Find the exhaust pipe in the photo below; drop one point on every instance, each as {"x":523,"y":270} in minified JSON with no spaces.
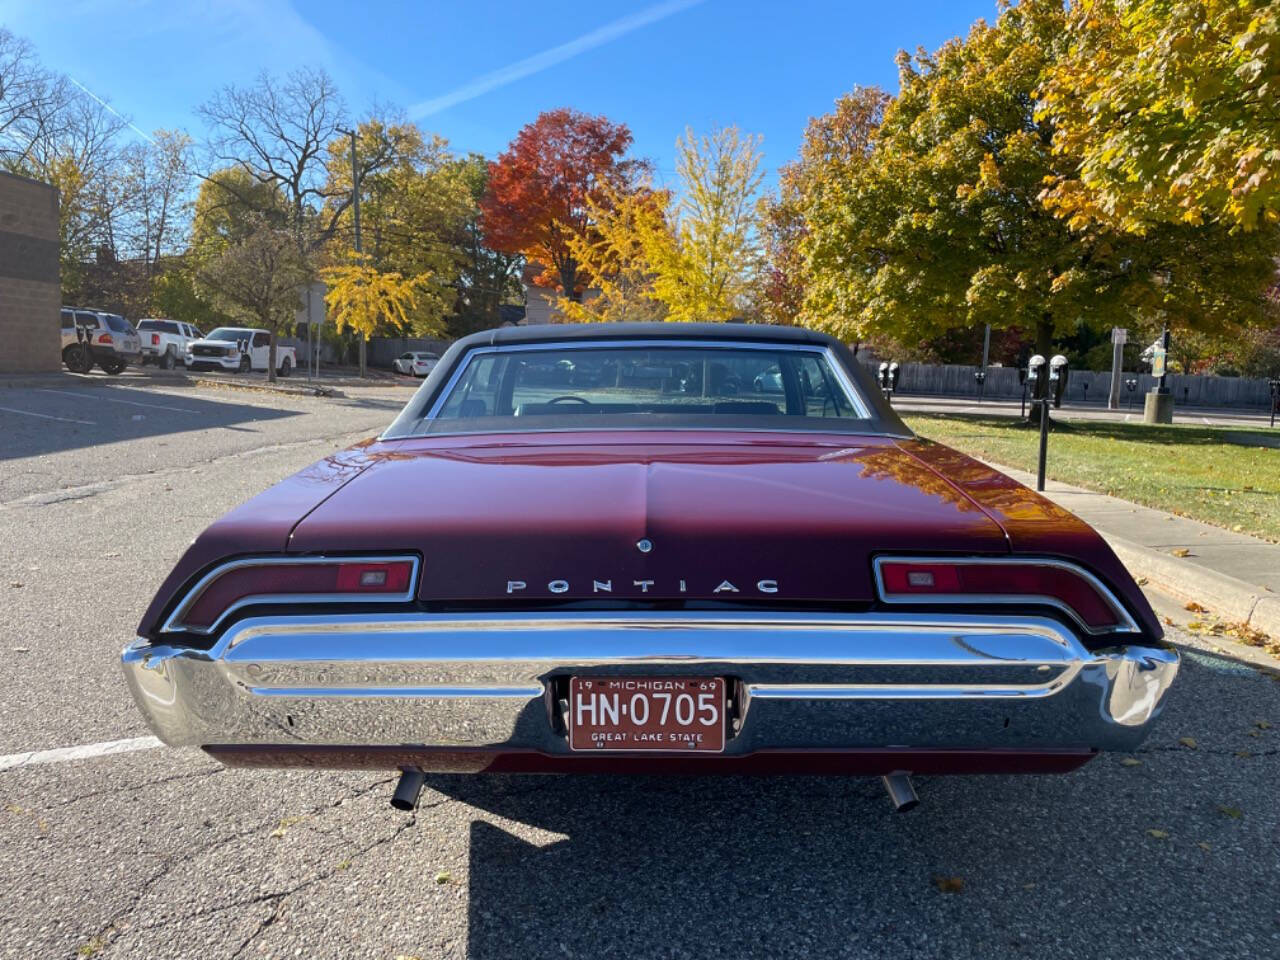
{"x":407,"y":790}
{"x":901,"y":793}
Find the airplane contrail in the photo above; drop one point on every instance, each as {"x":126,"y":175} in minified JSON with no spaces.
{"x":549,"y":58}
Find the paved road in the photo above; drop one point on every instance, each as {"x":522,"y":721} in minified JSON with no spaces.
{"x":162,"y":853}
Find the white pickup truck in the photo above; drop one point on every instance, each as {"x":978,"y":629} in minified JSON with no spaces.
{"x":239,"y":349}
{"x":165,"y":342}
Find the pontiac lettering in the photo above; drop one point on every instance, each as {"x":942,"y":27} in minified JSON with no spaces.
{"x":561,"y":585}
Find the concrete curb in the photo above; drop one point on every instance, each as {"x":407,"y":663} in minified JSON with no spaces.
{"x":313,"y":390}
{"x":1231,"y":598}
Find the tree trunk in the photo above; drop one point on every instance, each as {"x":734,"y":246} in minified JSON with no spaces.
{"x":569,"y":280}
{"x":1044,"y":337}
{"x":271,"y":358}
{"x":364,"y":344}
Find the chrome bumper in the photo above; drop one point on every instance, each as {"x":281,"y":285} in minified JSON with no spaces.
{"x":807,"y":681}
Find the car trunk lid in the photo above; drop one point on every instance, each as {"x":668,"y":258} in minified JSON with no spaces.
{"x":652,"y":519}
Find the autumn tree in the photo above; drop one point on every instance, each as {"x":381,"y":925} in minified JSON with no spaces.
{"x":835,"y":146}
{"x":256,"y":278}
{"x":538,"y":191}
{"x":616,"y":259}
{"x":654,"y":256}
{"x":943,"y":226}
{"x":487,"y":278}
{"x":367,"y":299}
{"x":1170,"y":110}
{"x":276,"y":132}
{"x":413,"y":203}
{"x":708,"y":273}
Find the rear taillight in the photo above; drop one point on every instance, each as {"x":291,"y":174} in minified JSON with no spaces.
{"x":291,"y":581}
{"x":977,"y":582}
{"x":105,"y":338}
{"x":155,"y":339}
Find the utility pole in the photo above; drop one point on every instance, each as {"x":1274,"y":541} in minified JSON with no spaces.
{"x":355,"y":204}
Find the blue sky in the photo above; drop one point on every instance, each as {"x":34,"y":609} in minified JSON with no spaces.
{"x":477,"y":70}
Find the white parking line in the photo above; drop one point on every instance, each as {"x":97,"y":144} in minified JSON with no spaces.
{"x":132,"y":403}
{"x":46,"y":416}
{"x":89,"y":750}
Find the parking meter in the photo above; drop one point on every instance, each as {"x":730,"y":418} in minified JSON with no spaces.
{"x":882,"y":375}
{"x":1274,"y":383}
{"x":981,"y":377}
{"x":887,"y":376}
{"x":894,"y":372}
{"x":1058,"y":372}
{"x":1037,"y":380}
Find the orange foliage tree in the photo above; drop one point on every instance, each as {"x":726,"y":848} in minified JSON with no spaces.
{"x":543,"y":189}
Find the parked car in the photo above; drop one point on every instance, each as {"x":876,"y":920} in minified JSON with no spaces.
{"x":238,"y":349}
{"x":417,"y":363}
{"x":165,"y":342}
{"x":111,"y":341}
{"x":519,"y":576}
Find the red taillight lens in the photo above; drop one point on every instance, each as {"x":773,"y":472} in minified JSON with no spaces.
{"x":105,"y":338}
{"x":903,"y":581}
{"x":155,"y":339}
{"x":322,"y":581}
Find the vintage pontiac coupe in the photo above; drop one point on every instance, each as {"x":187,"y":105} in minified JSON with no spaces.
{"x":651,"y":548}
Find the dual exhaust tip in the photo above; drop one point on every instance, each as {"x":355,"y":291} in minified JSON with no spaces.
{"x":898,"y":785}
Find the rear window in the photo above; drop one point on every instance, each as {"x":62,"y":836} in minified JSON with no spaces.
{"x":68,"y":319}
{"x":161,"y":326}
{"x":117,"y":323}
{"x":761,"y":386}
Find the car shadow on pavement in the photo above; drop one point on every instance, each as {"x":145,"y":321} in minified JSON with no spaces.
{"x":39,"y":421}
{"x":985,"y":866}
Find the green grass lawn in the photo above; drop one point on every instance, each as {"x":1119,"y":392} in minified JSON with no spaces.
{"x":1191,"y":471}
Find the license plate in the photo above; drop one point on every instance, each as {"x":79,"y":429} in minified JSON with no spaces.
{"x":684,"y":714}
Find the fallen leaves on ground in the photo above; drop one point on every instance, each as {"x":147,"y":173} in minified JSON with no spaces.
{"x":1130,"y":762}
{"x":1188,"y":742}
{"x":1204,"y":846}
{"x":443,"y":877}
{"x":1158,"y":834}
{"x":1263,"y":725}
{"x":948,"y":884}
{"x":1237,"y":631}
{"x":1195,"y":607}
{"x":1235,"y":813}
{"x":285,"y":824}
{"x":1181,"y":552}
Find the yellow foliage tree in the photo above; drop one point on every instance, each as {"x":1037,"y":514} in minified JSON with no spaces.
{"x":708,"y":273}
{"x":693,"y":260}
{"x":366,"y":299}
{"x":613,"y":260}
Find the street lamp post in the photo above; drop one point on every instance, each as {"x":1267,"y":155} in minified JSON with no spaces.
{"x":355,"y":213}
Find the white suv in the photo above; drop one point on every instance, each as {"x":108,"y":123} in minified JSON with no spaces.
{"x":111,"y":341}
{"x":164,"y":342}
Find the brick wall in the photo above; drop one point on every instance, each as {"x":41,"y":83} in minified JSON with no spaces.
{"x":30,"y":294}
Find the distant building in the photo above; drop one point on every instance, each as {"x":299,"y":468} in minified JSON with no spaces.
{"x":540,"y":300}
{"x":30,"y":288}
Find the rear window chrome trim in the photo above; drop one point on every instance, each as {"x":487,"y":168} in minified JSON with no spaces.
{"x":1127,"y":623}
{"x":860,"y":408}
{"x":173,"y":623}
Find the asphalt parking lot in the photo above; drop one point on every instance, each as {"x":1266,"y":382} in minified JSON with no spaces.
{"x":163,"y":853}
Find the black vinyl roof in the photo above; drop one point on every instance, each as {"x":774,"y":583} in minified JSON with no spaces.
{"x":554,"y":332}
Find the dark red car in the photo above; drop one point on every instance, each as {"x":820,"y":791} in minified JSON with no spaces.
{"x":601,"y":548}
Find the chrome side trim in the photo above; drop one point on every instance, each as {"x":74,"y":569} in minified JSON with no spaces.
{"x":173,"y":623}
{"x":1127,"y":623}
{"x":861,"y":410}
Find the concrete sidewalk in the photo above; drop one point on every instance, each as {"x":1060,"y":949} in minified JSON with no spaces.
{"x":1234,"y":575}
